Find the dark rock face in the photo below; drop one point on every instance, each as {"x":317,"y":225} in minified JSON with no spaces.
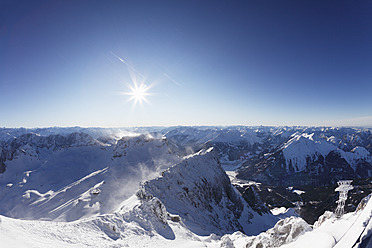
{"x":271,"y":170}
{"x":2,"y":160}
{"x":361,"y":138}
{"x":235,"y":151}
{"x":363,"y":169}
{"x":2,"y":166}
{"x":251,"y":196}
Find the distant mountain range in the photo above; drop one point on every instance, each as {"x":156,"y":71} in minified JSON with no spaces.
{"x":285,"y":156}
{"x":271,"y":155}
{"x":313,"y":159}
{"x":158,"y":180}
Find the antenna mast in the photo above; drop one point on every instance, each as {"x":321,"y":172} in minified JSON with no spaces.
{"x":343,"y":187}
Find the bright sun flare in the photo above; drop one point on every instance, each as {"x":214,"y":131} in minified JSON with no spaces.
{"x":138,"y":89}
{"x":138,"y":93}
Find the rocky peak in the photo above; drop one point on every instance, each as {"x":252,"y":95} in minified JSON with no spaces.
{"x":199,"y":191}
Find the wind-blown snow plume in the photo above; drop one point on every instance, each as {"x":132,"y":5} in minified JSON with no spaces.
{"x":198,"y":190}
{"x":65,"y":178}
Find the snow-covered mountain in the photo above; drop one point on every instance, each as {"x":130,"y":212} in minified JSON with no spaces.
{"x":284,"y":155}
{"x":59,"y":177}
{"x":189,"y":203}
{"x":167,"y":186}
{"x":200,"y":192}
{"x":42,"y":166}
{"x":309,"y":159}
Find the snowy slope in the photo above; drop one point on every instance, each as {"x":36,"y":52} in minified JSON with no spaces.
{"x":351,"y":230}
{"x":146,"y":223}
{"x":138,"y":227}
{"x":302,"y":146}
{"x":345,"y":232}
{"x":161,"y":214}
{"x":135,"y":228}
{"x":65,"y":178}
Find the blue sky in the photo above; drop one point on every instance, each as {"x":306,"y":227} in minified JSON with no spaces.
{"x":208,"y":62}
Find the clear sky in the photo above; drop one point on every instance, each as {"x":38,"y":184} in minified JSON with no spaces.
{"x":74,"y":63}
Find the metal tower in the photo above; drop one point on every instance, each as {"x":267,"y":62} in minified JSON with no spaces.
{"x":343,"y":187}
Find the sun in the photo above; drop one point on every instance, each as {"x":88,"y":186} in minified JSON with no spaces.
{"x":138,"y":93}
{"x":138,"y":89}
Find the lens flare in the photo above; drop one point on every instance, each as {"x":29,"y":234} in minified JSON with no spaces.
{"x":138,"y":93}
{"x":138,"y":89}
